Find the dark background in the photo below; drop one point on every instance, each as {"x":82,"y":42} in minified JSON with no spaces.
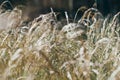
{"x":32,"y":8}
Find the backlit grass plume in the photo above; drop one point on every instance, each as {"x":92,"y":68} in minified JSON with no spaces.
{"x":40,"y":50}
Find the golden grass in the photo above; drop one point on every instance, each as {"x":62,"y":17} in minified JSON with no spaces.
{"x":45,"y":53}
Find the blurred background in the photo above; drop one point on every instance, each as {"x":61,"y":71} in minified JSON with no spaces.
{"x":33,"y":8}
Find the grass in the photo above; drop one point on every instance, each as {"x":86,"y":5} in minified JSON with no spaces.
{"x":42,"y":52}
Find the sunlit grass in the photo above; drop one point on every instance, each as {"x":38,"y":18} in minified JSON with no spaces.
{"x":45,"y":53}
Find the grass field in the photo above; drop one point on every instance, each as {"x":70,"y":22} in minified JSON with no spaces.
{"x":41,"y":50}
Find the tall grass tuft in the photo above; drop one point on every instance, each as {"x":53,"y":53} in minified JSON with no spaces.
{"x":43,"y":52}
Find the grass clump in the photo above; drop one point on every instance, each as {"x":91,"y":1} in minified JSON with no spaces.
{"x":41,"y":51}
